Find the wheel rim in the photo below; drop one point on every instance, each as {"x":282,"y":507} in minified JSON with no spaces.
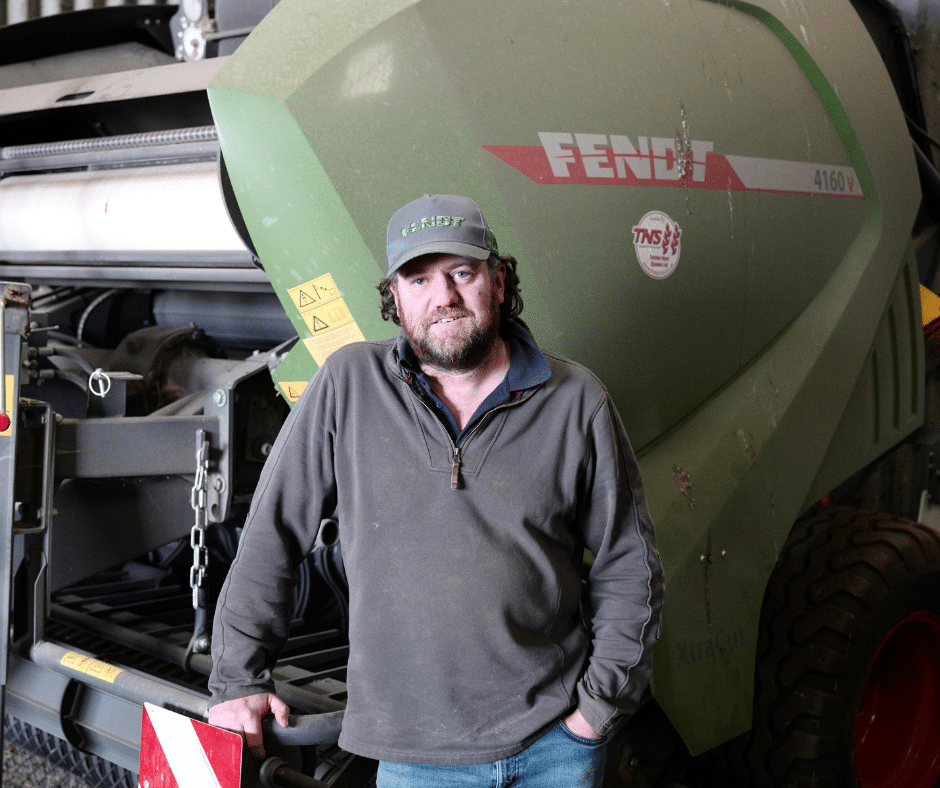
{"x":898,"y":725}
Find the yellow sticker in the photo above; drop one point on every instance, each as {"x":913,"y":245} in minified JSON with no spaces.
{"x":6,"y":423}
{"x":321,"y":347}
{"x":293,"y":389}
{"x":327,"y":317}
{"x":929,"y":305}
{"x":314,"y":293}
{"x":93,"y":667}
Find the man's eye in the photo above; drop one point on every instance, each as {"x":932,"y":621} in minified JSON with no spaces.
{"x":461,"y":274}
{"x":418,"y":281}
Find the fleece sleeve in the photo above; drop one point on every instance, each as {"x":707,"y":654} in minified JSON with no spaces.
{"x":625,"y":583}
{"x":295,"y":493}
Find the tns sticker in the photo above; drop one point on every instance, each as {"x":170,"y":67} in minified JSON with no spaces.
{"x":657,"y":240}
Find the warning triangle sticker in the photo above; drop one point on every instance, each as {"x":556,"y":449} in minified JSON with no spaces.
{"x":304,"y":300}
{"x":318,"y":325}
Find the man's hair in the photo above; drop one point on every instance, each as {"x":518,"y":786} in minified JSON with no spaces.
{"x":512,"y":301}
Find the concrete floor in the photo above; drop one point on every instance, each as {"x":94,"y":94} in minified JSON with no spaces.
{"x":22,"y":769}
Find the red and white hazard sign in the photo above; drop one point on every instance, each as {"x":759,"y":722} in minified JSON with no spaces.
{"x":178,"y":752}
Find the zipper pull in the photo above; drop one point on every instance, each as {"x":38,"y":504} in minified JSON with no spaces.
{"x":455,"y":471}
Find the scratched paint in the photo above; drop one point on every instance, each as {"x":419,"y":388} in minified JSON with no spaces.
{"x":768,"y":403}
{"x":683,"y":150}
{"x":750,"y":451}
{"x":731,"y":209}
{"x":707,"y":562}
{"x":684,"y":480}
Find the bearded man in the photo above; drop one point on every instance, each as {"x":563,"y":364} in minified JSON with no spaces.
{"x":467,"y":470}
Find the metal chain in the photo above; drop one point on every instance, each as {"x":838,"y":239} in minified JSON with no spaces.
{"x":199,"y":502}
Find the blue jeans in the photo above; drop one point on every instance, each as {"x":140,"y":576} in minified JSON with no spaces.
{"x":559,"y":759}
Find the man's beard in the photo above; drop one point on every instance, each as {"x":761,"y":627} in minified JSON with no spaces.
{"x":454,"y":353}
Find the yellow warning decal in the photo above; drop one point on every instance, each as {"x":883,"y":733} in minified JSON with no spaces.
{"x":6,"y":423}
{"x":93,"y":667}
{"x":314,"y":293}
{"x":929,"y":305}
{"x":321,"y":347}
{"x":326,"y":315}
{"x":292,"y":390}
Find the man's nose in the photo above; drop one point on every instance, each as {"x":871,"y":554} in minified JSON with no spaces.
{"x":445,"y":292}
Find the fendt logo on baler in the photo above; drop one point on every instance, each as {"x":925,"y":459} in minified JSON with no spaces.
{"x":577,"y":158}
{"x":615,"y":157}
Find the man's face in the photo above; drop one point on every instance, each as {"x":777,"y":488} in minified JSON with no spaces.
{"x":449,"y":309}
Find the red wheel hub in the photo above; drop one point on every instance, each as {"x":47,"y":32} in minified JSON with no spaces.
{"x":897,"y":735}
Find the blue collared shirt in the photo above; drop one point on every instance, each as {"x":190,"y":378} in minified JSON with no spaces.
{"x":527,"y":368}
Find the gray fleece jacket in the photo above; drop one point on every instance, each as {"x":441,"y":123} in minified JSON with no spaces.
{"x":469,"y":635}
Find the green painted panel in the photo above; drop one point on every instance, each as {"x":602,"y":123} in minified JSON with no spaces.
{"x":393,"y":109}
{"x":733,"y":372}
{"x":296,"y":219}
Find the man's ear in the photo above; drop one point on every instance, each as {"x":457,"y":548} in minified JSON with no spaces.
{"x":499,"y":277}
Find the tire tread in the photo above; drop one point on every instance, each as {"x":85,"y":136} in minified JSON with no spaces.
{"x":839,"y":571}
{"x":90,"y":768}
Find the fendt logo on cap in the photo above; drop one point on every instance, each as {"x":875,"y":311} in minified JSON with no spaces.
{"x":434,"y":221}
{"x":656,"y":240}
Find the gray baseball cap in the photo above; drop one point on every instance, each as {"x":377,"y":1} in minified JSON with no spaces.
{"x":438,"y":223}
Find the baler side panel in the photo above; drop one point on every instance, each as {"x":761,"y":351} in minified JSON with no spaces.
{"x":741,"y":466}
{"x":790,"y":184}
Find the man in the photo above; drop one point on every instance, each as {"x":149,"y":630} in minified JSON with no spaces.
{"x":467,"y":470}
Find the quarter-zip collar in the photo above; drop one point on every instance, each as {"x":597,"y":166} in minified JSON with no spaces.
{"x":528,"y":369}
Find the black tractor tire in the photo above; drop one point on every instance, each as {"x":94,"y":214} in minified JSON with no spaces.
{"x":847,"y":691}
{"x":89,"y":768}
